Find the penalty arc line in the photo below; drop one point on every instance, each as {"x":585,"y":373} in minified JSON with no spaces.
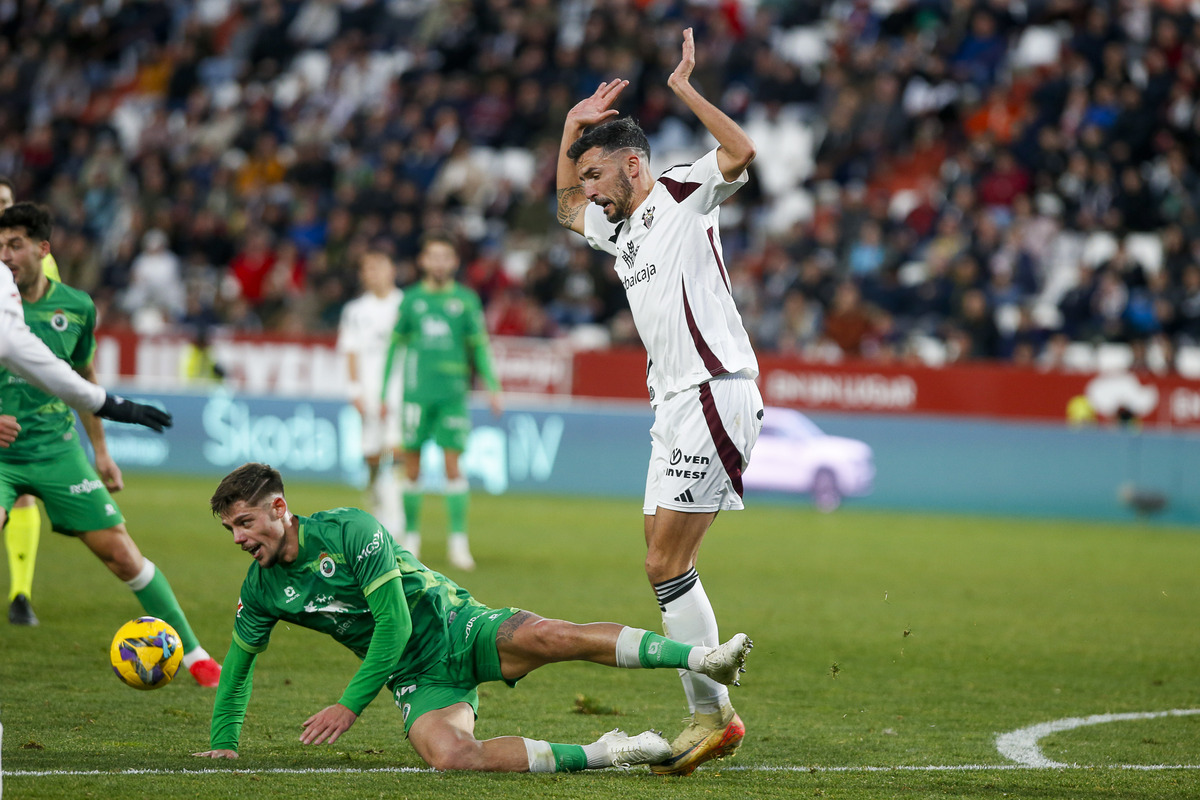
{"x":1022,"y":745}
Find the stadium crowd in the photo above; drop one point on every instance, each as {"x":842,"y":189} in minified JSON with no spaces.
{"x":936,"y":179}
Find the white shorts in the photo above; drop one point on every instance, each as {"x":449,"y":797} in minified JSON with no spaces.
{"x":380,"y":433}
{"x":700,"y":443}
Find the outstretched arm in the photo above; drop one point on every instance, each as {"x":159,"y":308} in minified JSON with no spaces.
{"x":737,"y":149}
{"x":586,"y":113}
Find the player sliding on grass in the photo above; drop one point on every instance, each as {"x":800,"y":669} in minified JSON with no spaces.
{"x":419,"y":634}
{"x":701,"y":368}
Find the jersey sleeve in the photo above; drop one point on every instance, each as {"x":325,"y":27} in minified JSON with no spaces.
{"x":252,"y":625}
{"x":477,"y":341}
{"x":375,"y":567}
{"x":599,"y":232}
{"x":700,"y":187}
{"x":25,"y":354}
{"x":393,"y":627}
{"x":371,"y":549}
{"x":233,"y":695}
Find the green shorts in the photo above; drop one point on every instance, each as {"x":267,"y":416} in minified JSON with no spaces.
{"x":474,"y":659}
{"x":75,"y":498}
{"x":444,"y":421}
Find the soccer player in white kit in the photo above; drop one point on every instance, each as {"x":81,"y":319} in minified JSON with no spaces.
{"x":364,"y":335}
{"x":701,"y":368}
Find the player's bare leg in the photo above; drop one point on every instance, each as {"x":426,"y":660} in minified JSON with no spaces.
{"x":116,"y":548}
{"x":714,"y":729}
{"x":445,"y":739}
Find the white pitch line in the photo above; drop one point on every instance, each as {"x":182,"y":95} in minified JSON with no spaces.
{"x":52,"y":773}
{"x":1022,"y":745}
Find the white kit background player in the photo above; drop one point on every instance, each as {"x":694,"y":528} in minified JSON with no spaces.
{"x":364,"y":335}
{"x":701,"y":370}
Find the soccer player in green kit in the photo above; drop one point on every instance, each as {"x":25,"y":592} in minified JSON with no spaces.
{"x":47,"y":460}
{"x":418,"y":633}
{"x":441,"y":327}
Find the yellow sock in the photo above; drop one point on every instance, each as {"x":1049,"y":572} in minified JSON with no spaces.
{"x":21,"y":537}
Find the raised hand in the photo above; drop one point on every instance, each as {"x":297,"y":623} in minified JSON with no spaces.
{"x":686,"y":64}
{"x":597,"y":108}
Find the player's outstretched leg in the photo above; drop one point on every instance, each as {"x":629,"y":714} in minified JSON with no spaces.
{"x":710,"y":736}
{"x":116,"y":549}
{"x":158,"y":599}
{"x":725,"y":663}
{"x":445,"y":739}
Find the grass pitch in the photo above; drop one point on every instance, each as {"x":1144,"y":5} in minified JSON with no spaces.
{"x":890,"y":652}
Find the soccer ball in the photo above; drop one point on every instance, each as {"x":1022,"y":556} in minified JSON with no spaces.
{"x":145,"y":653}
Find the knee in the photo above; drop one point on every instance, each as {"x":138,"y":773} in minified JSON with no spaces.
{"x":123,"y":559}
{"x":550,"y":638}
{"x":659,"y":567}
{"x":457,"y":755}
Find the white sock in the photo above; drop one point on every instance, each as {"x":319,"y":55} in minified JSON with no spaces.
{"x":598,"y":756}
{"x":689,"y":618}
{"x":629,"y":647}
{"x":143,"y":578}
{"x":192,"y":656}
{"x":541,"y":757}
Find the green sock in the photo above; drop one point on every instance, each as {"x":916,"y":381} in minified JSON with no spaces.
{"x":456,"y":510}
{"x":412,"y":510}
{"x":659,"y":651}
{"x":159,"y":601}
{"x":568,"y":757}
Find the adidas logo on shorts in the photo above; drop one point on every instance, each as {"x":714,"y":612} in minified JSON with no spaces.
{"x":686,"y":497}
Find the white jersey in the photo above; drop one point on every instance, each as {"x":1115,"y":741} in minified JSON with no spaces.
{"x":366,"y":330}
{"x":669,"y":258}
{"x":28,"y":356}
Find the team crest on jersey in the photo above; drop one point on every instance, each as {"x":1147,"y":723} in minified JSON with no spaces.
{"x":58,"y":320}
{"x":648,"y":217}
{"x":326,"y":565}
{"x":454,"y":307}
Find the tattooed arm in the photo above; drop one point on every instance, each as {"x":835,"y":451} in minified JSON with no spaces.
{"x":586,"y":113}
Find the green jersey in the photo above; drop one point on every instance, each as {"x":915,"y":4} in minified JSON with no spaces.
{"x":65,"y":319}
{"x":345,"y":564}
{"x":445,"y":337}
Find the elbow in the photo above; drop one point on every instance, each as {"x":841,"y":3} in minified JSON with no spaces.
{"x":748,"y":154}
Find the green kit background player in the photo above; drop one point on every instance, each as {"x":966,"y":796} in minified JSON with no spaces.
{"x":441,"y":327}
{"x":418,"y":633}
{"x":24,"y":527}
{"x":47,"y":459}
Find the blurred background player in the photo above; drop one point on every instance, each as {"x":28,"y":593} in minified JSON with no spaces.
{"x":441,"y":325}
{"x":47,"y":457}
{"x":24,"y":528}
{"x":701,"y":369}
{"x":364,"y":333}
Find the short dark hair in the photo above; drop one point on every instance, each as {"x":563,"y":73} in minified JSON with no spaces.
{"x":35,"y":219}
{"x":253,"y":483}
{"x":616,"y":134}
{"x":436,"y":237}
